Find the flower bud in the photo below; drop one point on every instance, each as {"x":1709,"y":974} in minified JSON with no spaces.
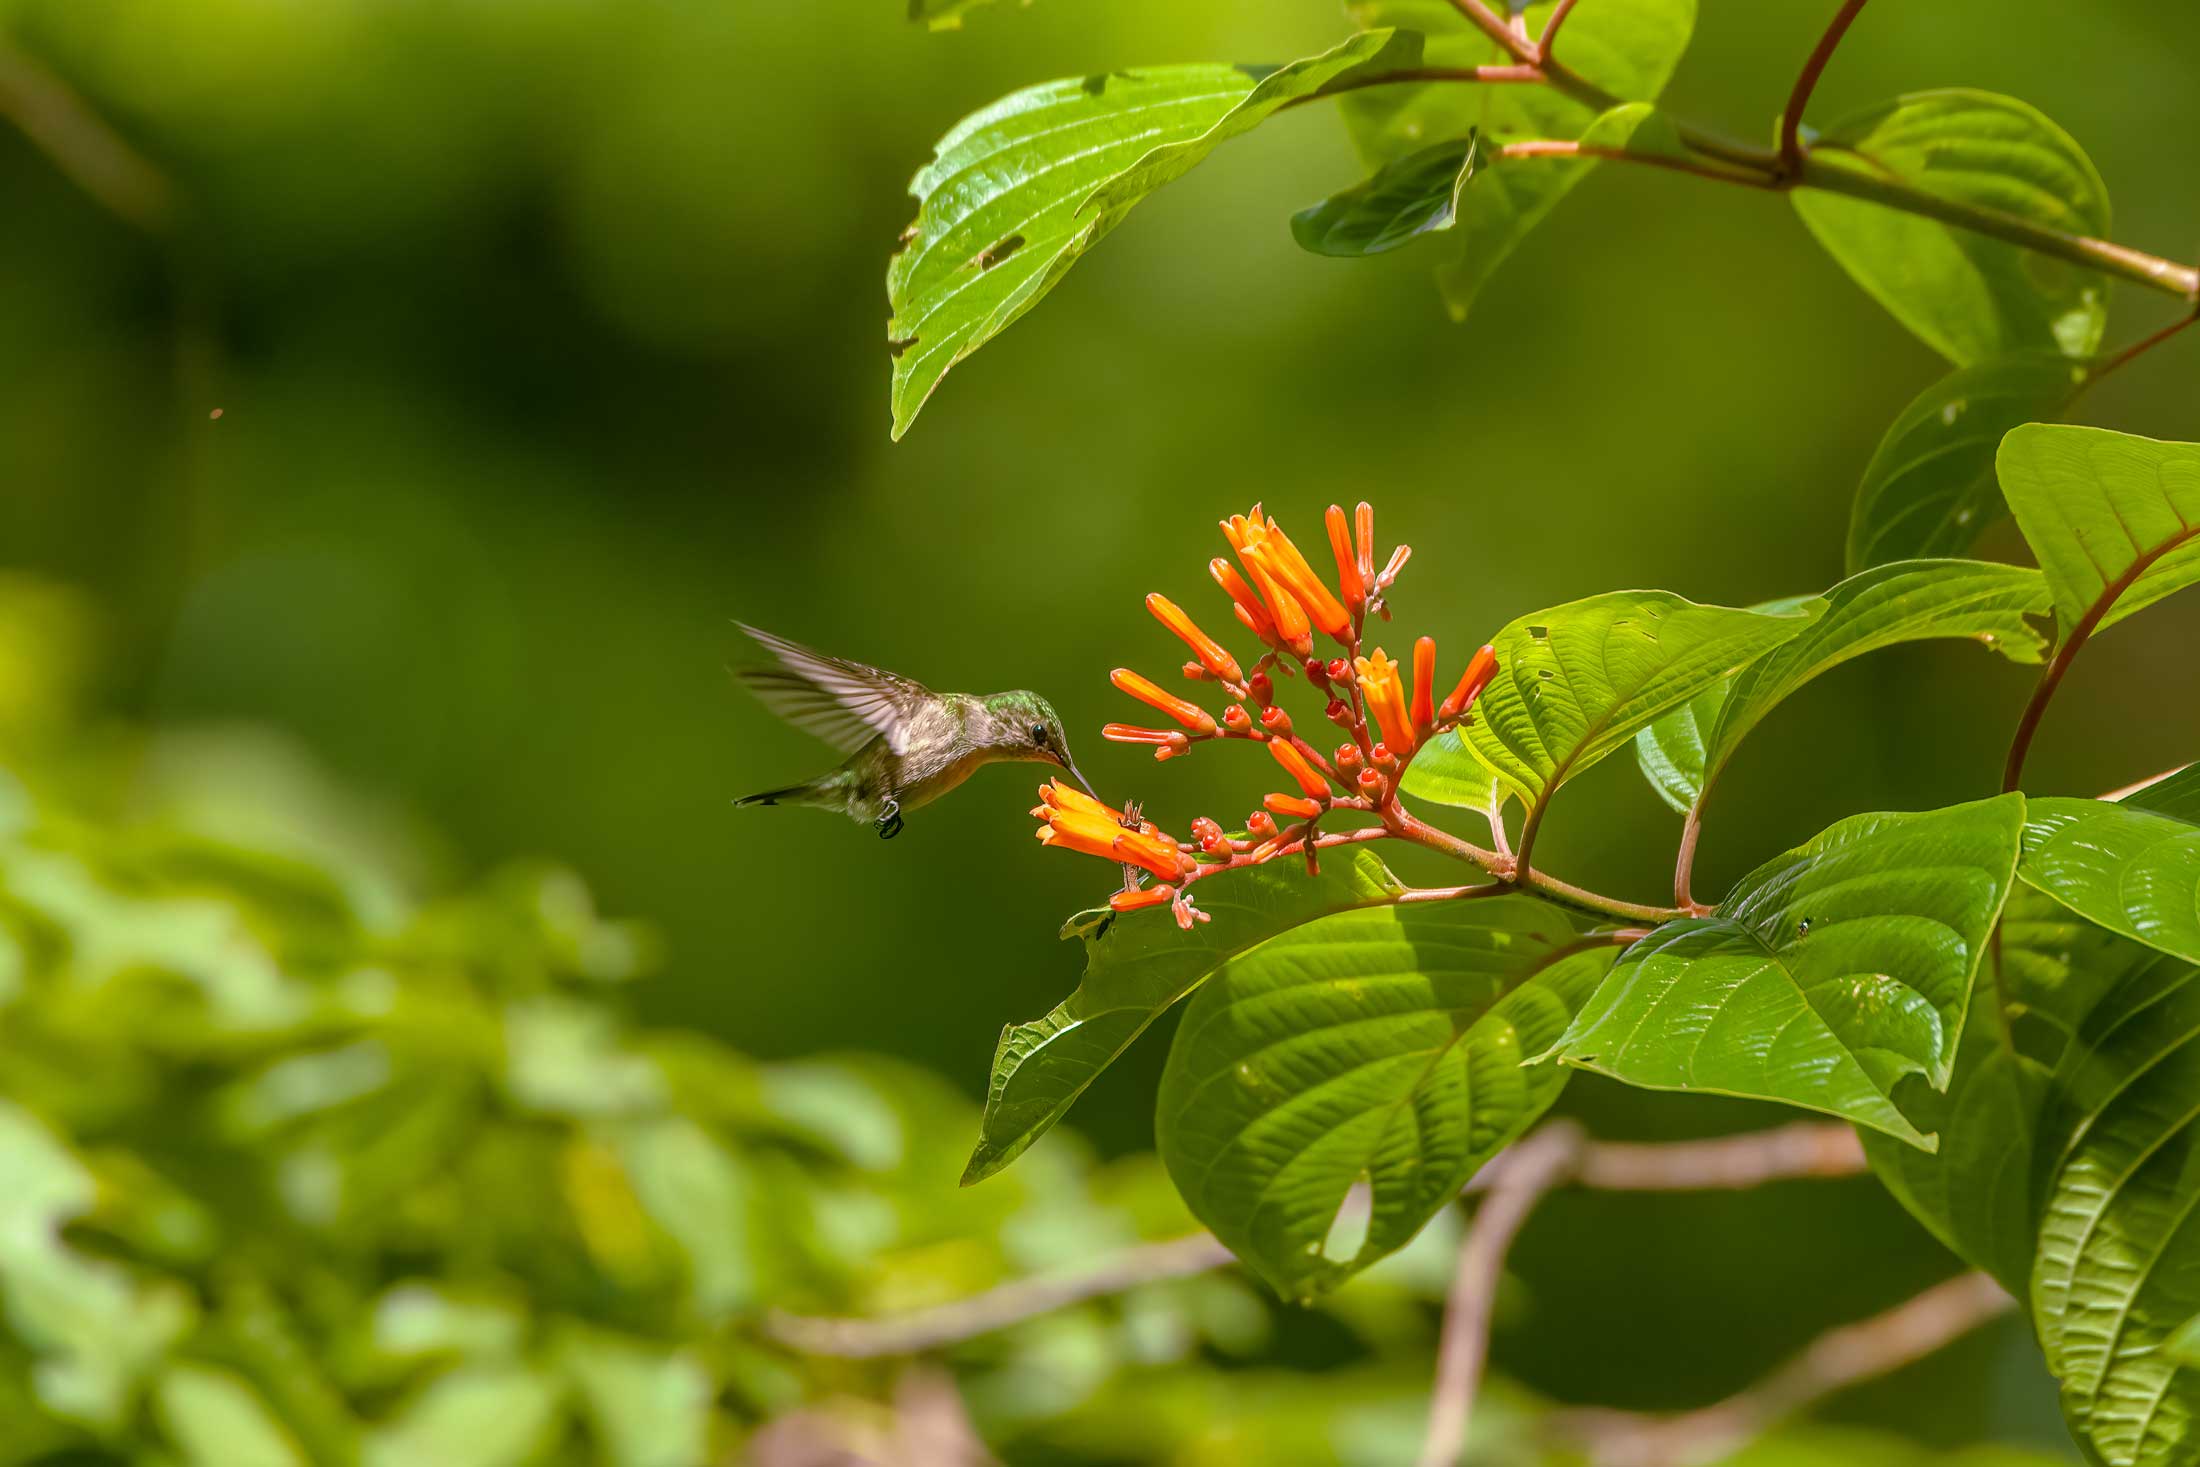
{"x":1152,"y":896}
{"x":1296,"y":805}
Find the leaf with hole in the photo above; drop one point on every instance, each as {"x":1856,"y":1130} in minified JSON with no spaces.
{"x":2113,"y":519}
{"x":2133,"y":871}
{"x":1965,"y":294}
{"x":1575,"y":682}
{"x":1828,"y":974}
{"x":1378,"y":1050}
{"x":1929,"y":488}
{"x":1138,"y":965}
{"x":1017,"y":193}
{"x":1908,"y":601}
{"x":1627,"y":47}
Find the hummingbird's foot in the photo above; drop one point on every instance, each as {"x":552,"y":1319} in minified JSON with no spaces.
{"x":889,"y":820}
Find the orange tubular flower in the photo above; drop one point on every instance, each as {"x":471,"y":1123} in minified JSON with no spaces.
{"x":1131,"y":733}
{"x":1249,"y":608}
{"x":1247,"y":535}
{"x":1295,"y":764}
{"x":1055,"y":795}
{"x":1364,"y":521}
{"x":1102,"y":834}
{"x":1386,"y":699}
{"x":1212,"y":655}
{"x":1292,"y":805}
{"x":1424,"y":686}
{"x":1268,"y":552}
{"x":1152,"y":896}
{"x":1480,"y":669}
{"x":1348,"y":562}
{"x":1191,"y":715}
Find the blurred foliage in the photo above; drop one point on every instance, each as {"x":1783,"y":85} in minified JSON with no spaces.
{"x":547,"y":339}
{"x":298,"y":1166}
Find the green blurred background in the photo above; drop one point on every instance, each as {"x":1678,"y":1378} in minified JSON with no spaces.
{"x":547,"y":338}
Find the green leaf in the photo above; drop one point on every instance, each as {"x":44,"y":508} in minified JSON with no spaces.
{"x":1135,"y":967}
{"x":1929,"y":489}
{"x":1017,"y":193}
{"x":1829,"y":973}
{"x":647,"y":1406}
{"x":2113,"y":519}
{"x":1416,"y":195}
{"x":475,"y":1416}
{"x":1383,"y":1047}
{"x":1980,"y":1192}
{"x":1966,"y":295}
{"x":1907,"y":601}
{"x":95,"y":1330}
{"x":1575,"y":682}
{"x":2117,"y":1276}
{"x":2178,"y":796}
{"x":698,"y":1194}
{"x":1628,"y":47}
{"x":2132,"y":871}
{"x":216,"y":1420}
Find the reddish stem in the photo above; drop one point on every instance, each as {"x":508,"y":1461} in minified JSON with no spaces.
{"x":1806,"y":82}
{"x":1550,"y":31}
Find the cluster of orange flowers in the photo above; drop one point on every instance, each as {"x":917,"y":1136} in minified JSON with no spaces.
{"x":1283,"y":602}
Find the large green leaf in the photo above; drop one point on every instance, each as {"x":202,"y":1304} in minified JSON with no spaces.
{"x":2117,"y":1276}
{"x":1416,"y":195}
{"x":1967,"y":295}
{"x":1980,"y":1192}
{"x":1017,"y":193}
{"x":2177,"y":796}
{"x":2132,"y":871}
{"x":1628,"y":47}
{"x":1829,"y":974}
{"x":1575,"y":682}
{"x":1382,"y":1047}
{"x":1929,"y":489}
{"x":2113,"y":519}
{"x":1135,"y":967}
{"x":2066,"y":1169}
{"x":1908,"y":601}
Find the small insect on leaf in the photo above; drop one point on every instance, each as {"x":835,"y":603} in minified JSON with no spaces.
{"x":896,"y":345}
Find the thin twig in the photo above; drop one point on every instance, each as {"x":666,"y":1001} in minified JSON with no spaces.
{"x":931,"y":1329}
{"x":1835,"y":1360}
{"x":1566,"y":148}
{"x":2051,"y":676}
{"x":1684,"y":861}
{"x":1549,"y":38}
{"x":1806,"y":82}
{"x":2138,"y":348}
{"x":1485,"y":20}
{"x":1519,"y":1178}
{"x":1801,"y":1150}
{"x":81,"y":144}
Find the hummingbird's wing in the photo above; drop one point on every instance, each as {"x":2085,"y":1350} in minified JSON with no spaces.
{"x":844,"y":703}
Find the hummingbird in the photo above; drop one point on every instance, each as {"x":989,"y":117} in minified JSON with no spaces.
{"x":906,"y":744}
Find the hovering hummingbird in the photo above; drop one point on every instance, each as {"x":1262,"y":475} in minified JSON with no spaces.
{"x":906,"y":744}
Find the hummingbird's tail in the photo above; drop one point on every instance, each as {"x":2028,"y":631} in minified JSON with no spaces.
{"x":831,"y":791}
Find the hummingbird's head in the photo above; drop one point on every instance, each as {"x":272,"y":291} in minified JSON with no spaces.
{"x":1027,"y":727}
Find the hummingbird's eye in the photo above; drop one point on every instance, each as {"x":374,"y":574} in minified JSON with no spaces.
{"x":1039,"y":734}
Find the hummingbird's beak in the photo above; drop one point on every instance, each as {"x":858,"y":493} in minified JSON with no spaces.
{"x":1078,"y":775}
